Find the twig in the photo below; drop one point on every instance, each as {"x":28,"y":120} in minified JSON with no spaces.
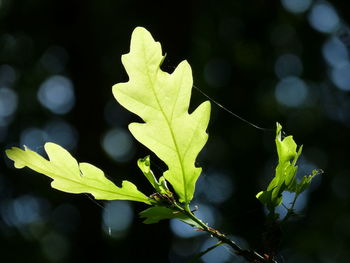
{"x":249,"y":255}
{"x":199,"y":255}
{"x":290,"y":210}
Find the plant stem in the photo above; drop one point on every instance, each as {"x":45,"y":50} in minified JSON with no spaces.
{"x":290,"y":210}
{"x":249,"y":255}
{"x":199,"y":255}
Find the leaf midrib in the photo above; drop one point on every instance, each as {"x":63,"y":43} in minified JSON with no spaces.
{"x":71,"y":180}
{"x":167,"y":121}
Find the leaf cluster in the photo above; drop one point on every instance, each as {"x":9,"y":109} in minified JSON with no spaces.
{"x":285,"y":178}
{"x":174,"y":135}
{"x":161,"y":100}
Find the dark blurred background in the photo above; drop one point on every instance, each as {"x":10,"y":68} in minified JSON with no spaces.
{"x":267,"y":61}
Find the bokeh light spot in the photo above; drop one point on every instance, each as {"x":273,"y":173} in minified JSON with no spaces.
{"x":296,"y":6}
{"x":335,"y":52}
{"x":216,"y":187}
{"x":8,"y":105}
{"x":118,"y":144}
{"x":291,"y":92}
{"x":288,"y":198}
{"x":218,"y":255}
{"x":57,"y":94}
{"x":341,"y":77}
{"x":33,"y":138}
{"x":22,"y":211}
{"x":288,"y":65}
{"x":182,"y":230}
{"x":62,"y":133}
{"x":117,"y":218}
{"x":324,"y":18}
{"x":7,"y":75}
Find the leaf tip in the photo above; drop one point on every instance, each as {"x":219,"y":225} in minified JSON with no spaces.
{"x":139,"y":29}
{"x":207,"y":105}
{"x":141,"y":34}
{"x":278,"y":130}
{"x":51,"y":145}
{"x":144,"y":163}
{"x":12,"y":154}
{"x":259,"y":194}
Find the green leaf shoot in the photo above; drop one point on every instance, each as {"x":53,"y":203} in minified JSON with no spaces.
{"x":299,"y":187}
{"x":72,"y":177}
{"x":162,"y":100}
{"x":145,"y":166}
{"x":284,"y":179}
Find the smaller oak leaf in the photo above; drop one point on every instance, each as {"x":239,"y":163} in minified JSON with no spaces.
{"x":72,"y":177}
{"x":156,"y":213}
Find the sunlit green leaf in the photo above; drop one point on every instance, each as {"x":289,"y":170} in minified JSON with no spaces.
{"x":301,"y":186}
{"x":285,"y":171}
{"x":155,"y":214}
{"x":71,"y":177}
{"x":145,"y":166}
{"x":162,"y":100}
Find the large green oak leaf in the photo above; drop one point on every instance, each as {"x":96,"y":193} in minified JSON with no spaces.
{"x":162,"y":100}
